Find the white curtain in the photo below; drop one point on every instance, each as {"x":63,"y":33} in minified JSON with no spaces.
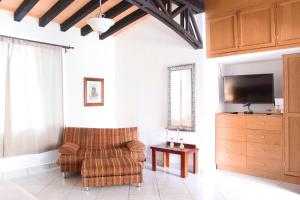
{"x":4,"y":46}
{"x":33,"y":108}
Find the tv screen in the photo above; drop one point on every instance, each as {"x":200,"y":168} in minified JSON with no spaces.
{"x":253,"y":89}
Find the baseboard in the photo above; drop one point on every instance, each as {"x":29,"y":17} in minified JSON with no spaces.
{"x":6,"y":175}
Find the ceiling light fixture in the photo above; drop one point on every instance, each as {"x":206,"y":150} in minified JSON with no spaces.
{"x":100,"y":24}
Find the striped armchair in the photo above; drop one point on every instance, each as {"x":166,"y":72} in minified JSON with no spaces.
{"x":94,"y":143}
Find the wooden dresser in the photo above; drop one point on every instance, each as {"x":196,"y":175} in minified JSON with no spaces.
{"x":250,"y":143}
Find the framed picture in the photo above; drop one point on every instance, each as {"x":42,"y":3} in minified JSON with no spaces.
{"x":93,"y":91}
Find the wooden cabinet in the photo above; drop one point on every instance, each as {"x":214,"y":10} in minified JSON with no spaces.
{"x":267,"y":26}
{"x":292,"y":114}
{"x":230,"y":140}
{"x":292,"y":83}
{"x":250,"y":143}
{"x":222,"y":33}
{"x":288,"y":22}
{"x":256,"y":27}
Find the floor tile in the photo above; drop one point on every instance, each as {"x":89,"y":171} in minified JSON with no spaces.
{"x":143,"y":196}
{"x":159,"y":185}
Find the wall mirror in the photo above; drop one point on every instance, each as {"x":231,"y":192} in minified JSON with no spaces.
{"x":181,"y":97}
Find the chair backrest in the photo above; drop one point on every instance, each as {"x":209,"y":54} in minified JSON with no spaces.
{"x":98,"y":138}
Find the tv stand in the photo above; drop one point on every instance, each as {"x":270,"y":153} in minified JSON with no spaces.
{"x":249,"y":112}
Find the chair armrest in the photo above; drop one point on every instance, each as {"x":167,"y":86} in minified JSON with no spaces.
{"x":69,"y":148}
{"x":135,"y":145}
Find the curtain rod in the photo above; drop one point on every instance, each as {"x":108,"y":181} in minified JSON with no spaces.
{"x":27,"y":40}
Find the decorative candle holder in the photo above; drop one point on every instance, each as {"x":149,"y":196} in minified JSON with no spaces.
{"x":181,"y":146}
{"x":172,"y":143}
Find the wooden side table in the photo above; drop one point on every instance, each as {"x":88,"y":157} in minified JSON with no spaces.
{"x":184,"y":154}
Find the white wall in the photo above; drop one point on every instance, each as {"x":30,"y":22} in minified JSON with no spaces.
{"x":90,"y":58}
{"x":144,"y":53}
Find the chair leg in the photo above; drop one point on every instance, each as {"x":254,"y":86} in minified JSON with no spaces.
{"x":86,"y":189}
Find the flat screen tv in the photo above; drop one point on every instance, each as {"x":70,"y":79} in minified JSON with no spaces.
{"x":252,"y":89}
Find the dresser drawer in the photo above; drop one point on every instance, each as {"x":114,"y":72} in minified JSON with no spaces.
{"x":230,"y":121}
{"x":233,"y":160}
{"x":264,"y":137}
{"x":267,"y":165}
{"x":264,"y":122}
{"x":264,"y":151}
{"x":235,"y":134}
{"x":231,"y":147}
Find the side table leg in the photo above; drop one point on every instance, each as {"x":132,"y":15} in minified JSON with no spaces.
{"x":195,"y":162}
{"x":166,"y":159}
{"x":153,"y":160}
{"x":184,"y":165}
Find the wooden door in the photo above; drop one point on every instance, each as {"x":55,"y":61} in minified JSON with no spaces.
{"x":222,"y":33}
{"x":257,"y":27}
{"x":288,"y":22}
{"x":292,"y":114}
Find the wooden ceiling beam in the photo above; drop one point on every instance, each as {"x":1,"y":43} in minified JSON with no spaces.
{"x":111,"y":13}
{"x":23,"y":9}
{"x":129,"y":19}
{"x":80,"y":14}
{"x":183,"y":28}
{"x":196,"y":5}
{"x":54,"y":11}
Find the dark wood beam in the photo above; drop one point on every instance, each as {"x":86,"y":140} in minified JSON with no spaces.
{"x":196,"y":5}
{"x":123,"y":23}
{"x":23,"y":9}
{"x":80,"y":14}
{"x":54,"y":11}
{"x":178,"y":10}
{"x":182,"y":28}
{"x":111,"y":13}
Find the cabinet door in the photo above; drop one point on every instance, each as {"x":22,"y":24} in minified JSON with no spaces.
{"x":292,"y":114}
{"x":222,"y":34}
{"x":292,"y":83}
{"x":288,"y":22}
{"x":257,"y":27}
{"x":292,"y":144}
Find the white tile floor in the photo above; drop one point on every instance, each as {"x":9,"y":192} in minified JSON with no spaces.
{"x":214,"y":185}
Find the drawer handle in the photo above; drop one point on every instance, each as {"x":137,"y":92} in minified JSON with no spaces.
{"x":262,"y":164}
{"x":263,"y":137}
{"x":263,"y":150}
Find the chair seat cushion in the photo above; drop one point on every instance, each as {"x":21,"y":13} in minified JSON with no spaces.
{"x":110,"y":167}
{"x":83,"y":154}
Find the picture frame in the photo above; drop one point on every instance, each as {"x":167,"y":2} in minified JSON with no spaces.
{"x":93,"y":91}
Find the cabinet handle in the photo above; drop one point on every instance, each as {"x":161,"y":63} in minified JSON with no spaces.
{"x":262,"y":164}
{"x":263,"y":150}
{"x":263,"y":137}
